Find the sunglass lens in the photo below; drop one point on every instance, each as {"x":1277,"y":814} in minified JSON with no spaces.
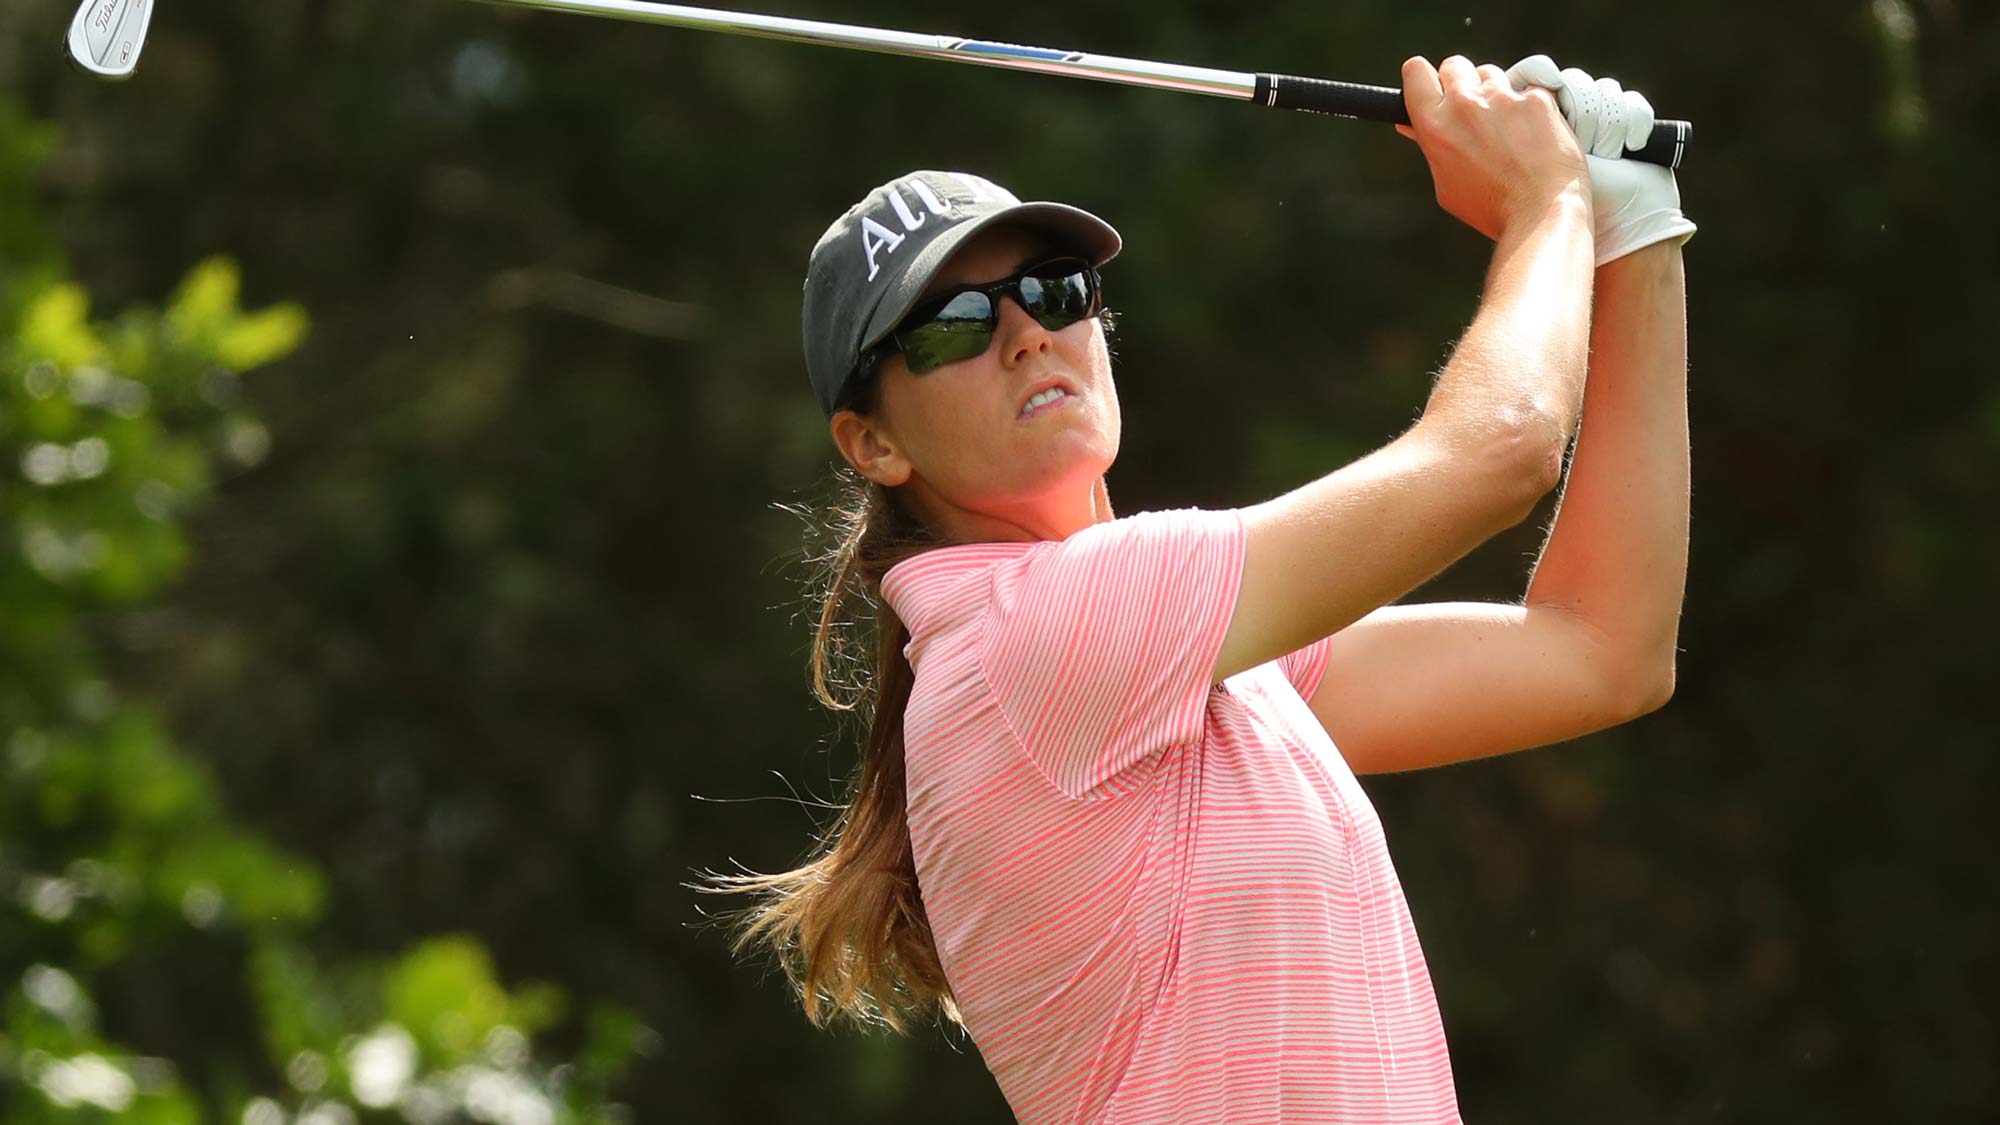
{"x":1060,"y":297}
{"x":1057,"y":294}
{"x":959,"y":330}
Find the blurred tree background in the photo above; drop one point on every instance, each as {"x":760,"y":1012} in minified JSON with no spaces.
{"x":395,"y":609}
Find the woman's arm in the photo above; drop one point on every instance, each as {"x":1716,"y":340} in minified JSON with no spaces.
{"x":1489,"y":444}
{"x":1617,"y":557}
{"x":1593,"y":645}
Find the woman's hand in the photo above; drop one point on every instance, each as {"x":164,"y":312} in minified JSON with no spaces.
{"x":1497,"y":154}
{"x":1634,"y":204}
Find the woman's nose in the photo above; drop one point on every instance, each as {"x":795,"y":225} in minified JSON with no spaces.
{"x":1020,"y":335}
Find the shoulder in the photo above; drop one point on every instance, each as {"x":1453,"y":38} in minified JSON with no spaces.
{"x":1116,"y":551}
{"x":1115,"y":559}
{"x":1133,"y":581}
{"x":927,"y":588}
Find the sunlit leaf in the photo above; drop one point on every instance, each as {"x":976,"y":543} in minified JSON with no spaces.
{"x":446,"y":993}
{"x":261,"y":337}
{"x":55,"y":327}
{"x":205,"y":300}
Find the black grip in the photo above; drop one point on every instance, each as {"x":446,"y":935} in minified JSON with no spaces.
{"x":1385,"y":104}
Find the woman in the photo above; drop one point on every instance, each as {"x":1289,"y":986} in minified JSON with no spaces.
{"x":1106,"y":816}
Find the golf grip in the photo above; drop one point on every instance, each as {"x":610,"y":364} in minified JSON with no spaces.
{"x":1382,"y":103}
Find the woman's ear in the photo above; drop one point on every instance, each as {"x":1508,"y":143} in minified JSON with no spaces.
{"x":869,"y":448}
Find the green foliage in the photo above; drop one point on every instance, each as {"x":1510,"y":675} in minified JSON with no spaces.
{"x":204,"y":315}
{"x":114,"y":841}
{"x":62,"y":1071}
{"x":430,"y":1036}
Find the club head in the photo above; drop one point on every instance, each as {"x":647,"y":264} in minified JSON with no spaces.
{"x":106,"y":36}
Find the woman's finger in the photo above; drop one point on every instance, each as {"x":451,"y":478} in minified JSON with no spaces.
{"x":1638,"y":120}
{"x":1535,"y":70}
{"x":1422,"y":92}
{"x":1457,"y":73}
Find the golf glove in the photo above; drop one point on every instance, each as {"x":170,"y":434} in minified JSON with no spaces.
{"x":1636,"y":203}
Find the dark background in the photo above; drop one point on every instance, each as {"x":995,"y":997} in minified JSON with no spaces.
{"x":504,"y":635}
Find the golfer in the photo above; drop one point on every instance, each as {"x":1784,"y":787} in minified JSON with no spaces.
{"x":1106,"y":815}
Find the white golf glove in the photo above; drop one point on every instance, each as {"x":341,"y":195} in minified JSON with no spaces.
{"x":1636,"y":203}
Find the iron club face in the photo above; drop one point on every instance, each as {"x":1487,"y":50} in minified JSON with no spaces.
{"x":106,"y":36}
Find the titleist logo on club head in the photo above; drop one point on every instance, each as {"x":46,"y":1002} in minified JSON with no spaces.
{"x":913,"y":210}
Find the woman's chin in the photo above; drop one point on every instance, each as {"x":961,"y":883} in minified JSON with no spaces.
{"x":1073,"y":449}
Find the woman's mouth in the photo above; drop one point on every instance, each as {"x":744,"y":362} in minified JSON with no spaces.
{"x":1055,"y":398}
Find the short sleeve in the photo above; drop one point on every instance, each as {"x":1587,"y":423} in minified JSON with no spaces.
{"x":1306,"y":666}
{"x":1100,"y":647}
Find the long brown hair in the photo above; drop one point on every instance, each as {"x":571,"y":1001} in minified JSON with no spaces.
{"x":848,"y":925}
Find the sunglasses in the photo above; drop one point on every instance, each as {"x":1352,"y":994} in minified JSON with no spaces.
{"x":960,"y":323}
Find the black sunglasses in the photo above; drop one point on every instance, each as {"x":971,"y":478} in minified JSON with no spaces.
{"x":959,"y":324}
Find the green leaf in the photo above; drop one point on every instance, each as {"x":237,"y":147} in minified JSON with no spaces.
{"x":55,"y":326}
{"x":206,"y":299}
{"x":285,"y":983}
{"x":445,"y":992}
{"x":261,"y":337}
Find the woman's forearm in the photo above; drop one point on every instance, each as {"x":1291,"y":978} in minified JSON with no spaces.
{"x":1516,"y":377}
{"x":1617,"y":554}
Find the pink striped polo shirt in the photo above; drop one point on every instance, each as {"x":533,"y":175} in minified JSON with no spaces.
{"x":1157,"y":899}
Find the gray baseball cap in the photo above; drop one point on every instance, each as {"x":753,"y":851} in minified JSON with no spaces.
{"x":874,"y":262}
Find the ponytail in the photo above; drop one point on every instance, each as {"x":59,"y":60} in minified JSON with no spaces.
{"x":848,"y":925}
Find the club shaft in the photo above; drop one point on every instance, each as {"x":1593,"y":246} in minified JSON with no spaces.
{"x":1370,"y":103}
{"x":1076,"y":64}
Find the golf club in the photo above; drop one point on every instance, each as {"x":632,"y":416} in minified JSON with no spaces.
{"x":1279,"y":91}
{"x":116,"y":30}
{"x":106,"y":36}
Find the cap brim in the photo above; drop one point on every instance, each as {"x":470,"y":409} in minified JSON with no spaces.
{"x":1089,"y":233}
